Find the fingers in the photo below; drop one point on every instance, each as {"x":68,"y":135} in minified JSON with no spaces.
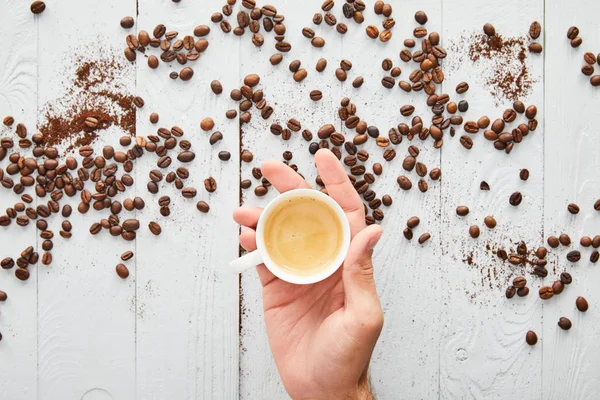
{"x":247,"y":216}
{"x":248,"y":242}
{"x":362,"y":301}
{"x":282,"y":177}
{"x":248,"y":239}
{"x":338,"y":186}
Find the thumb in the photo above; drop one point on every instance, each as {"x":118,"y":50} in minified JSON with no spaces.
{"x":359,"y":282}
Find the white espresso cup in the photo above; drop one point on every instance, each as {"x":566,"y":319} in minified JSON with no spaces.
{"x":261,"y":254}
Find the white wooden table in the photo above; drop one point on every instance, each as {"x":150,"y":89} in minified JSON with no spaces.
{"x":177,"y":329}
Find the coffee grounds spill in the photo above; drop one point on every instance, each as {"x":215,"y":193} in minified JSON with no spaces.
{"x":95,"y":90}
{"x":505,"y":72}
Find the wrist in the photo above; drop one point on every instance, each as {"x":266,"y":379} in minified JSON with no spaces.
{"x":361,"y":392}
{"x":364,"y":391}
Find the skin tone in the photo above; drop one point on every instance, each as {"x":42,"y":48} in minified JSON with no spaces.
{"x":322,"y":335}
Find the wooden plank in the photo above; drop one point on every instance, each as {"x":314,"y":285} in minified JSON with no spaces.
{"x":18,"y":318}
{"x":483,"y":353}
{"x":408,"y":274}
{"x":187,"y":311}
{"x":258,"y":375}
{"x":86,"y":312}
{"x":571,"y":151}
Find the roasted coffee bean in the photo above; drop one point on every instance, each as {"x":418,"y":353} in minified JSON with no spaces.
{"x":540,"y":271}
{"x":462,"y":87}
{"x":406,"y":110}
{"x":316,"y":95}
{"x":260,"y":191}
{"x":424,"y":237}
{"x":122,"y":271}
{"x":587,"y":70}
{"x":321,"y":65}
{"x":358,"y":82}
{"x":188,"y":193}
{"x":530,"y":112}
{"x":386,"y":200}
{"x":558,"y":287}
{"x":564,"y":323}
{"x":531,"y":338}
{"x":564,"y":239}
{"x":596,"y":241}
{"x":247,"y":156}
{"x":409,"y":163}
{"x":377,"y":169}
{"x":385,"y":36}
{"x":131,"y":225}
{"x":22,"y":274}
{"x":535,"y":47}
{"x":317,"y":42}
{"x":576,"y":42}
{"x":155,"y":228}
{"x":435,"y":174}
{"x":210,"y":184}
{"x":37,"y":7}
{"x":413,"y":222}
{"x":573,"y":208}
{"x":467,"y":142}
{"x":474,"y":231}
{"x":489,"y":30}
{"x":340,"y":74}
{"x":408,"y":233}
{"x":594,"y":256}
{"x":404,"y":183}
{"x":388,"y":82}
{"x":524,"y":174}
{"x":515,"y":199}
{"x":215,"y":137}
{"x":372,"y":32}
{"x":186,"y":74}
{"x":126,"y":22}
{"x":566,"y":278}
{"x":490,"y":222}
{"x":572,"y":32}
{"x":519,"y":282}
{"x":535,"y":30}
{"x":510,"y":292}
{"x":389,"y":154}
{"x":546,"y":292}
{"x":362,"y":155}
{"x":7,"y":263}
{"x":582,"y":304}
{"x":574,"y":256}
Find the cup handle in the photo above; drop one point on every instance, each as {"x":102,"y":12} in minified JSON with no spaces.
{"x":249,"y":260}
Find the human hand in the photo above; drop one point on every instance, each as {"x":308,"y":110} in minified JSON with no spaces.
{"x":322,"y":335}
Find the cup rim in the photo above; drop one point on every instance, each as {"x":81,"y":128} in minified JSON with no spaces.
{"x":324,"y":273}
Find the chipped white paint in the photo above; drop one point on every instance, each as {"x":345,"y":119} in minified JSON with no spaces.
{"x":75,"y":330}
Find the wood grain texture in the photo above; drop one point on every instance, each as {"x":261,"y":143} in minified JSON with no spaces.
{"x":187,"y":309}
{"x":86,"y":312}
{"x":18,"y":97}
{"x":258,"y":374}
{"x":174,"y":328}
{"x":408,"y":274}
{"x":483,"y":353}
{"x":570,"y":173}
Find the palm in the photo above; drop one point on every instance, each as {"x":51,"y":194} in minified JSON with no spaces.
{"x":302,"y":323}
